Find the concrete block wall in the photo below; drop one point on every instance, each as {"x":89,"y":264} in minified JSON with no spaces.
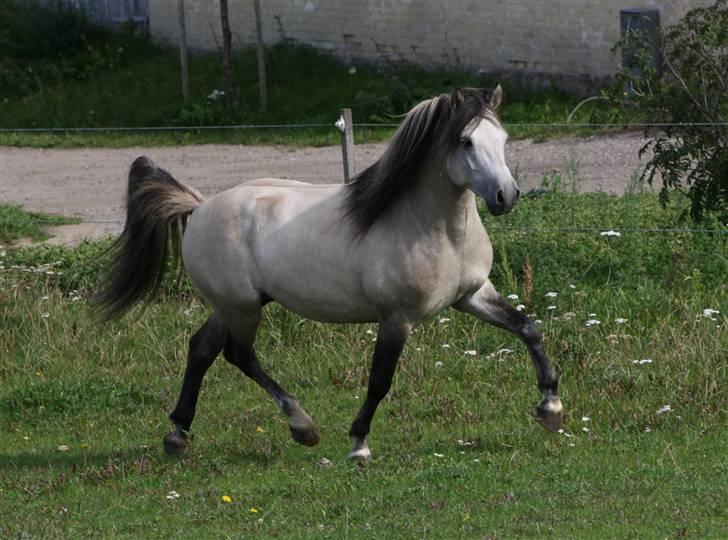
{"x":568,"y":41}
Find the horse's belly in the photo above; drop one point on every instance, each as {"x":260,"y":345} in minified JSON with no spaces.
{"x":327,"y":309}
{"x":322,"y":292}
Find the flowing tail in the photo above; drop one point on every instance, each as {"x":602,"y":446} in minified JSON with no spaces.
{"x":157,"y":208}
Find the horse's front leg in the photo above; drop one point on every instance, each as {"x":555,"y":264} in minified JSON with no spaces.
{"x":490,"y":306}
{"x":391,"y":337}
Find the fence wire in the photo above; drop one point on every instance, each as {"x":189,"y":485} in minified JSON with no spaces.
{"x":603,"y":231}
{"x":544,"y":125}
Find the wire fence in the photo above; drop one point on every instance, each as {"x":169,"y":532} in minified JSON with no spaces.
{"x":602,"y":231}
{"x":515,"y":125}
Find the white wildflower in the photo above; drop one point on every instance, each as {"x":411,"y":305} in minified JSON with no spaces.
{"x":620,"y":320}
{"x":520,"y":307}
{"x":471,"y":353}
{"x":445,"y":345}
{"x":585,"y":418}
{"x":643,"y":361}
{"x":444,"y":320}
{"x":438,"y":364}
{"x":610,"y":233}
{"x":173,"y":495}
{"x":438,"y":455}
{"x":550,"y":307}
{"x":592,"y":322}
{"x":499,"y":353}
{"x":664,"y":409}
{"x":551,"y":294}
{"x":512,"y":297}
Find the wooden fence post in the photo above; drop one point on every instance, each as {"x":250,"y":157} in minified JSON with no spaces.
{"x":262,"y":85}
{"x":347,"y":145}
{"x":183,"y":51}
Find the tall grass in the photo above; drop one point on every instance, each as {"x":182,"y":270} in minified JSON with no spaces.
{"x":456,"y":453}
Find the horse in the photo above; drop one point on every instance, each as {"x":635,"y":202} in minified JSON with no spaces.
{"x":395,"y":246}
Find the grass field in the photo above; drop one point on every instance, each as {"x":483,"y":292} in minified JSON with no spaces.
{"x":456,"y":453}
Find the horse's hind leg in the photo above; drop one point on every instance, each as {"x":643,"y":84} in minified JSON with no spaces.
{"x":239,"y":351}
{"x":204,"y":347}
{"x":489,"y":306}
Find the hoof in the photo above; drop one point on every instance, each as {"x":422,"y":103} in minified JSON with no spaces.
{"x":360,"y":455}
{"x":306,"y":437}
{"x":176,"y":442}
{"x":553,"y":421}
{"x":360,"y":451}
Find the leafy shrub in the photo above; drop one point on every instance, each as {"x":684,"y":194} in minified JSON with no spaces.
{"x":690,"y":87}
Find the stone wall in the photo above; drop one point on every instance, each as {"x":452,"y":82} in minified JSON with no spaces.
{"x":567,"y":41}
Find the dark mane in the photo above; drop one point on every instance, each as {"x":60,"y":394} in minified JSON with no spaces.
{"x":431,"y":130}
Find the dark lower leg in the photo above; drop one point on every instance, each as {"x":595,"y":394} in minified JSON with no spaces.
{"x":549,"y":410}
{"x":391,"y":339}
{"x":489,"y":306}
{"x":301,"y":425}
{"x":204,"y":347}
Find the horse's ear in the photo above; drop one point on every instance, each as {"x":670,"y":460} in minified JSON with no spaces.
{"x":494,"y":98}
{"x":456,"y":98}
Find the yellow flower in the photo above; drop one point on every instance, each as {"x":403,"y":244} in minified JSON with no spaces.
{"x":226,"y":499}
{"x":259,"y":429}
{"x":254,"y":510}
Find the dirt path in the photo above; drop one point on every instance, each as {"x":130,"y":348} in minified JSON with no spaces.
{"x":90,"y":183}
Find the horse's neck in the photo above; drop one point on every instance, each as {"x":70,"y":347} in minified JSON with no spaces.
{"x":440,"y":205}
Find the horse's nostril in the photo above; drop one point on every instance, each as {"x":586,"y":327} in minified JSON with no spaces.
{"x":499,"y":197}
{"x":518,"y":194}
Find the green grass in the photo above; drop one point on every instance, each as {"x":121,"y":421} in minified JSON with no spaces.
{"x":16,"y":223}
{"x":456,"y":453}
{"x":304,"y":86}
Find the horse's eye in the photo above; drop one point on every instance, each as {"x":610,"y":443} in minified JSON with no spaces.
{"x":467,"y":143}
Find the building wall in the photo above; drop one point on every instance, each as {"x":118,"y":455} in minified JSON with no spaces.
{"x":569,"y":40}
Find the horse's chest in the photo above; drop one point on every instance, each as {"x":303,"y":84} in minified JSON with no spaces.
{"x":420,"y":279}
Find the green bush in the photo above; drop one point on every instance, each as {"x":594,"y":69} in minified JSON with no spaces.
{"x":690,"y":87}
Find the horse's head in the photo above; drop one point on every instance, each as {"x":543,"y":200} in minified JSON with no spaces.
{"x":478,"y":161}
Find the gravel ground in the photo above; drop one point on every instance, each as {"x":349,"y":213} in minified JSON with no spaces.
{"x":90,"y":183}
